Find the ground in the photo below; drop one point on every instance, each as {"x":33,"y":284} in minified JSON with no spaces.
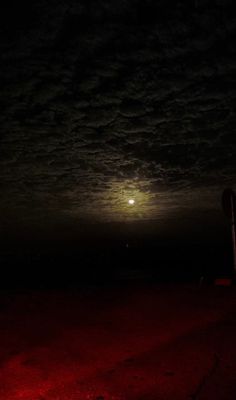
{"x":131,"y":341}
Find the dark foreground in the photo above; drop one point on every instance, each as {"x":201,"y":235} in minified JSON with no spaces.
{"x":126,"y":342}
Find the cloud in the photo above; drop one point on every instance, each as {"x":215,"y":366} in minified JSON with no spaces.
{"x":96,"y":96}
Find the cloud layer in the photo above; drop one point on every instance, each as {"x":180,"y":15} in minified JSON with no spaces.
{"x":104,"y":100}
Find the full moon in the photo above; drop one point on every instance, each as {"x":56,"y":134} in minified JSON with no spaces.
{"x":131,"y":201}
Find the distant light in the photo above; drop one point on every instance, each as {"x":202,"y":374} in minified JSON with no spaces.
{"x":131,"y":201}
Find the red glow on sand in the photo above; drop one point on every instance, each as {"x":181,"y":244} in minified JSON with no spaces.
{"x":136,"y":343}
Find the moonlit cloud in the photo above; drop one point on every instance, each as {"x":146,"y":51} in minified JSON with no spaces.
{"x":102,"y":103}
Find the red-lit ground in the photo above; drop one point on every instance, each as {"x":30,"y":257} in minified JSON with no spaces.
{"x":119,"y":343}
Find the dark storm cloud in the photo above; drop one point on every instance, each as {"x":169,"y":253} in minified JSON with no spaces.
{"x":102,"y":99}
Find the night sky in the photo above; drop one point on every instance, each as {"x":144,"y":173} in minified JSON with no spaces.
{"x":106,"y":101}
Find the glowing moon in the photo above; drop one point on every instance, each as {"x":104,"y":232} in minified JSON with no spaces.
{"x":131,"y":202}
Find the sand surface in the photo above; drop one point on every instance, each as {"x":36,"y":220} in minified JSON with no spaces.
{"x":119,"y":342}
